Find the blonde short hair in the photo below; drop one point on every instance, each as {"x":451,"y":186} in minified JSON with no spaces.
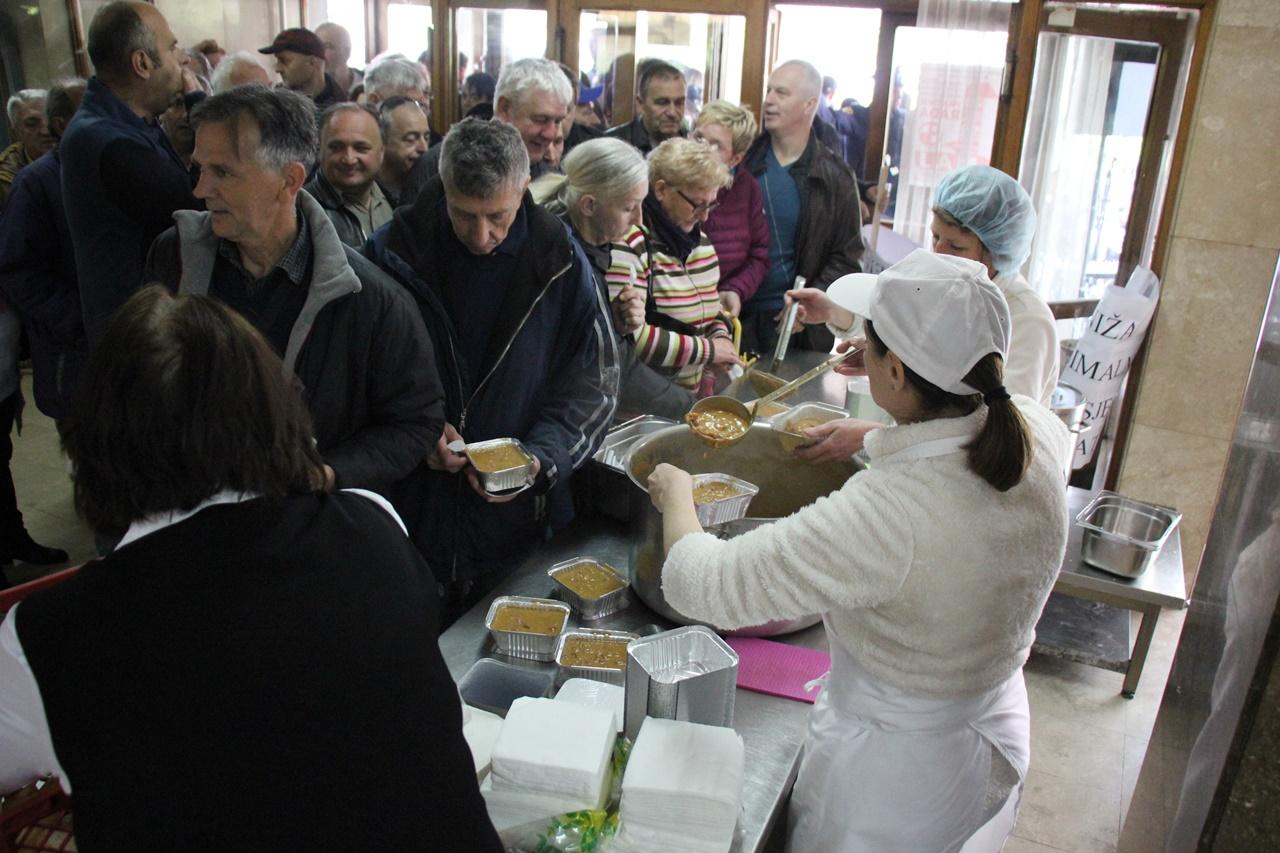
{"x":683,"y":163}
{"x":739,"y":121}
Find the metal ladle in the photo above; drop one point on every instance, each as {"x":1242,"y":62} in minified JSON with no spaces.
{"x":721,"y":403}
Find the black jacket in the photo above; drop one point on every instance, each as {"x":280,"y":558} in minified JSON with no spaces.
{"x":275,"y":663}
{"x":121,"y":183}
{"x":549,"y":378}
{"x":829,"y":233}
{"x":633,"y":133}
{"x":365,"y":361}
{"x":38,"y":278}
{"x":423,"y":170}
{"x":349,"y":229}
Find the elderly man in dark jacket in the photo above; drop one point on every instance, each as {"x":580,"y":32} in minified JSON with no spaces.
{"x":810,"y":201}
{"x":38,"y":265}
{"x":526,"y":350}
{"x":266,"y":248}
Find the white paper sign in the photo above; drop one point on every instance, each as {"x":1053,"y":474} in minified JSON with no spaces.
{"x":1102,"y":357}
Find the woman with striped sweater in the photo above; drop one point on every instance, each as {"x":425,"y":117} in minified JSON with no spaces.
{"x":674,"y":263}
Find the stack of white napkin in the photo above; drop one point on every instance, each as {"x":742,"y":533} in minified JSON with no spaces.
{"x":550,"y":758}
{"x":682,"y":789}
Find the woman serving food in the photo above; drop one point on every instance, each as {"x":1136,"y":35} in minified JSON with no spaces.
{"x":931,"y":568}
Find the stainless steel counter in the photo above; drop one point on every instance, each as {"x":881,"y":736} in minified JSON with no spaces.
{"x":772,"y":729}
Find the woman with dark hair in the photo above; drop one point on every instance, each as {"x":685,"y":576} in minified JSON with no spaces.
{"x":254,"y":666}
{"x":930,"y":567}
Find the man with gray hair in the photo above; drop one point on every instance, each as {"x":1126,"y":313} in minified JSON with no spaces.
{"x":30,"y":134}
{"x":394,"y":76}
{"x":38,"y":265}
{"x":534,"y":97}
{"x":121,"y":178}
{"x":38,"y":292}
{"x":238,"y":69}
{"x":405,"y":135}
{"x":810,"y":201}
{"x":266,"y":248}
{"x":525,"y":347}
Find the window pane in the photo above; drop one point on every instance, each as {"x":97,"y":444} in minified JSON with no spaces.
{"x":1085,"y":124}
{"x":942,"y":114}
{"x":490,"y":38}
{"x":707,"y":48}
{"x":349,"y":14}
{"x":408,"y":29}
{"x":840,"y":42}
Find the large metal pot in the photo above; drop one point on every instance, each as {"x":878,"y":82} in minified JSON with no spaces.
{"x":786,"y":484}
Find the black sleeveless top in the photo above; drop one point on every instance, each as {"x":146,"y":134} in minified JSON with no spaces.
{"x":260,"y":676}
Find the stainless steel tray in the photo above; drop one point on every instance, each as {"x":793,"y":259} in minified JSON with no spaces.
{"x":518,"y":644}
{"x":725,"y":509}
{"x":1123,"y":535}
{"x":595,"y":673}
{"x":790,"y":439}
{"x":591,"y":608}
{"x":617,"y":443}
{"x":508,"y":478}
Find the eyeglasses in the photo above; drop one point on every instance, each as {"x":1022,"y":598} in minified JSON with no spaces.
{"x":707,"y":141}
{"x":699,"y":209}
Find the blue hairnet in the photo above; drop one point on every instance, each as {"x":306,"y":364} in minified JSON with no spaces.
{"x":993,"y":206}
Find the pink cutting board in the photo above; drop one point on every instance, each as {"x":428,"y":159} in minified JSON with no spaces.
{"x":778,"y":669}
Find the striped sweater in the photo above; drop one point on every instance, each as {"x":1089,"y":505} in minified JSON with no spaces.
{"x":683,"y":289}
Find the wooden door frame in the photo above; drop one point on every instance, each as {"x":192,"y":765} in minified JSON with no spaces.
{"x":569,"y":15}
{"x":1028,"y":20}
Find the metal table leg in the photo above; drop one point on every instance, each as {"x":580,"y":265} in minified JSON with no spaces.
{"x":1146,"y":630}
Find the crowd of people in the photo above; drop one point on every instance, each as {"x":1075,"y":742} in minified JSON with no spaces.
{"x":268,"y":318}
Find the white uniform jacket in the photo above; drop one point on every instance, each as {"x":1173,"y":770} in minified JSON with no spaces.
{"x":931,"y":583}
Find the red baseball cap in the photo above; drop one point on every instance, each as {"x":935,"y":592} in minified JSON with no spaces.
{"x":297,"y":39}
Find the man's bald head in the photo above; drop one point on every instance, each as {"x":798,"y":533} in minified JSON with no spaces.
{"x":807,"y":79}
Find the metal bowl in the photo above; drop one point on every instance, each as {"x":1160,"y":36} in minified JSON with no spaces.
{"x":786,"y":484}
{"x":1123,"y":535}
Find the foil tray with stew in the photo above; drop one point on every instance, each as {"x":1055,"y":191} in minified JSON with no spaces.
{"x":593,"y":654}
{"x":502,"y":464}
{"x":790,"y":425}
{"x":719,"y":498}
{"x":527,"y":628}
{"x":591,"y":588}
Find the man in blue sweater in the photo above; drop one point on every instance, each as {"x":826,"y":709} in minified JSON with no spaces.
{"x":121,"y":179}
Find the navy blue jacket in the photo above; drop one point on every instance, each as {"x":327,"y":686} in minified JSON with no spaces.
{"x":121,"y":183}
{"x":38,"y":278}
{"x":549,"y":378}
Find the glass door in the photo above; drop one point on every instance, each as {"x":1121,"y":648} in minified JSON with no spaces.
{"x":1095,"y":146}
{"x":707,"y":48}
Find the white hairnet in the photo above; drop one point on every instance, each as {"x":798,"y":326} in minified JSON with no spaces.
{"x":993,"y":206}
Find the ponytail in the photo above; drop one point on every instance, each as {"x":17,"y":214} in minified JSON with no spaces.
{"x":1001,"y":452}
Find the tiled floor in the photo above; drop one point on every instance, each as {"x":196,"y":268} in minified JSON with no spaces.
{"x":1087,"y":742}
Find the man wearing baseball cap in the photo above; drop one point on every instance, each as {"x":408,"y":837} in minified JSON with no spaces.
{"x":931,"y":568}
{"x":299,"y":57}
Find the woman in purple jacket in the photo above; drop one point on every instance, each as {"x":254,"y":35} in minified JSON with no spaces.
{"x":737,"y":226}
